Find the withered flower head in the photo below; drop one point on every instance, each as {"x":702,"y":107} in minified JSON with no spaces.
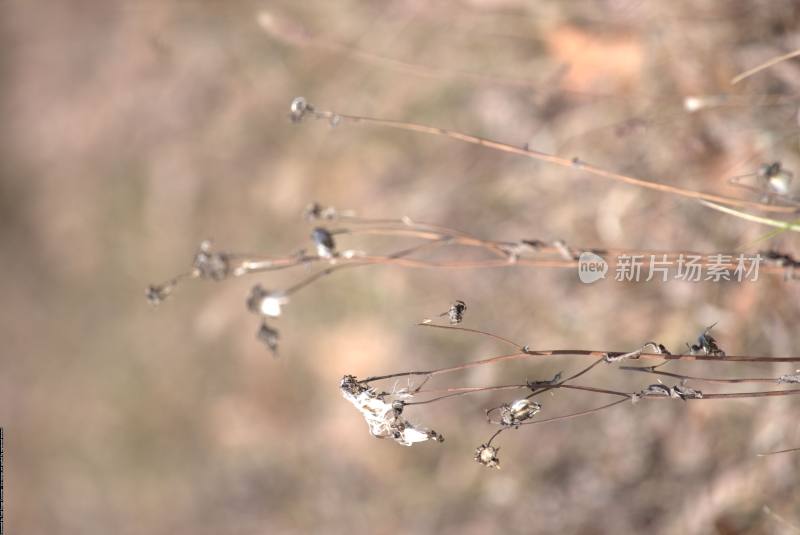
{"x":656,"y":391}
{"x":684,"y":392}
{"x":323,"y":239}
{"x":707,"y":344}
{"x":209,"y":264}
{"x":789,"y":378}
{"x":298,"y":109}
{"x":384,"y":418}
{"x":456,"y":312}
{"x":266,"y":303}
{"x":777,"y":177}
{"x":269,"y":336}
{"x":517,"y":412}
{"x":487,"y":456}
{"x":156,"y":294}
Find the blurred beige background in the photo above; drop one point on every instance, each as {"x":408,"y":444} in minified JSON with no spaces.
{"x":132,"y":130}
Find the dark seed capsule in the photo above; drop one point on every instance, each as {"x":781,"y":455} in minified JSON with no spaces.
{"x":156,"y":294}
{"x":456,"y":312}
{"x":326,"y":247}
{"x":487,"y":456}
{"x":299,"y":108}
{"x":211,"y":265}
{"x":269,"y":337}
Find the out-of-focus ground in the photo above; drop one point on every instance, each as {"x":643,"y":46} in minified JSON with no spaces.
{"x":133,"y":130}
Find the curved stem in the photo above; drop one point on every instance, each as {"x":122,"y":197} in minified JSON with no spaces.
{"x":769,"y":63}
{"x":557,"y":160}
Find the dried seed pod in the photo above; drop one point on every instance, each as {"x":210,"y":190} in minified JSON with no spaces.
{"x":707,"y":344}
{"x":269,"y":336}
{"x":656,"y":391}
{"x":456,"y":312}
{"x":266,"y":303}
{"x":535,"y":385}
{"x":299,"y":108}
{"x":789,"y":378}
{"x":209,"y":264}
{"x":684,"y":392}
{"x":517,"y":412}
{"x":383,"y":418}
{"x":777,"y":178}
{"x":157,"y":294}
{"x":487,"y":456}
{"x":313,"y":211}
{"x":323,"y":239}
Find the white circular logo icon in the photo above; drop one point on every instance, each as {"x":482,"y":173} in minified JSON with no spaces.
{"x":591,"y":267}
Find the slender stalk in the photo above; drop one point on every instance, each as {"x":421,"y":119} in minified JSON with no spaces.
{"x":292,"y":33}
{"x":790,"y":450}
{"x":769,"y":63}
{"x":583,"y":353}
{"x":527,"y":253}
{"x":784,"y":225}
{"x":476,"y":331}
{"x":650,"y":370}
{"x":550,"y":158}
{"x":742,"y":395}
{"x":576,"y":414}
{"x":466,"y":390}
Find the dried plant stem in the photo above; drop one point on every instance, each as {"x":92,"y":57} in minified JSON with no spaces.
{"x":465,"y":390}
{"x":790,"y":450}
{"x":290,"y":32}
{"x":396,"y":260}
{"x":579,"y":352}
{"x":769,"y":63}
{"x":399,"y":259}
{"x":651,"y":370}
{"x":452,"y":236}
{"x":529,"y":253}
{"x":475,"y":331}
{"x":557,"y":160}
{"x":793,"y":226}
{"x":577,"y":414}
{"x":739,"y":395}
{"x":443,"y":236}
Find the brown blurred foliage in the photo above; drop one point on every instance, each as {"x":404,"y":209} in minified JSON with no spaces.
{"x":134,"y":129}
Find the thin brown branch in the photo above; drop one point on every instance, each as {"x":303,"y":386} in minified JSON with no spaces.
{"x":292,"y":33}
{"x":550,"y":158}
{"x":582,"y":353}
{"x":742,"y":395}
{"x":465,"y":390}
{"x":570,"y":378}
{"x":790,"y":450}
{"x":769,"y":63}
{"x":651,"y":370}
{"x":476,"y":331}
{"x":576,"y":414}
{"x":528,"y":253}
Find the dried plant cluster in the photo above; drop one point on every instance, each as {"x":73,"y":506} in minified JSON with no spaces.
{"x":213,"y":265}
{"x":523,"y":410}
{"x":333,"y":245}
